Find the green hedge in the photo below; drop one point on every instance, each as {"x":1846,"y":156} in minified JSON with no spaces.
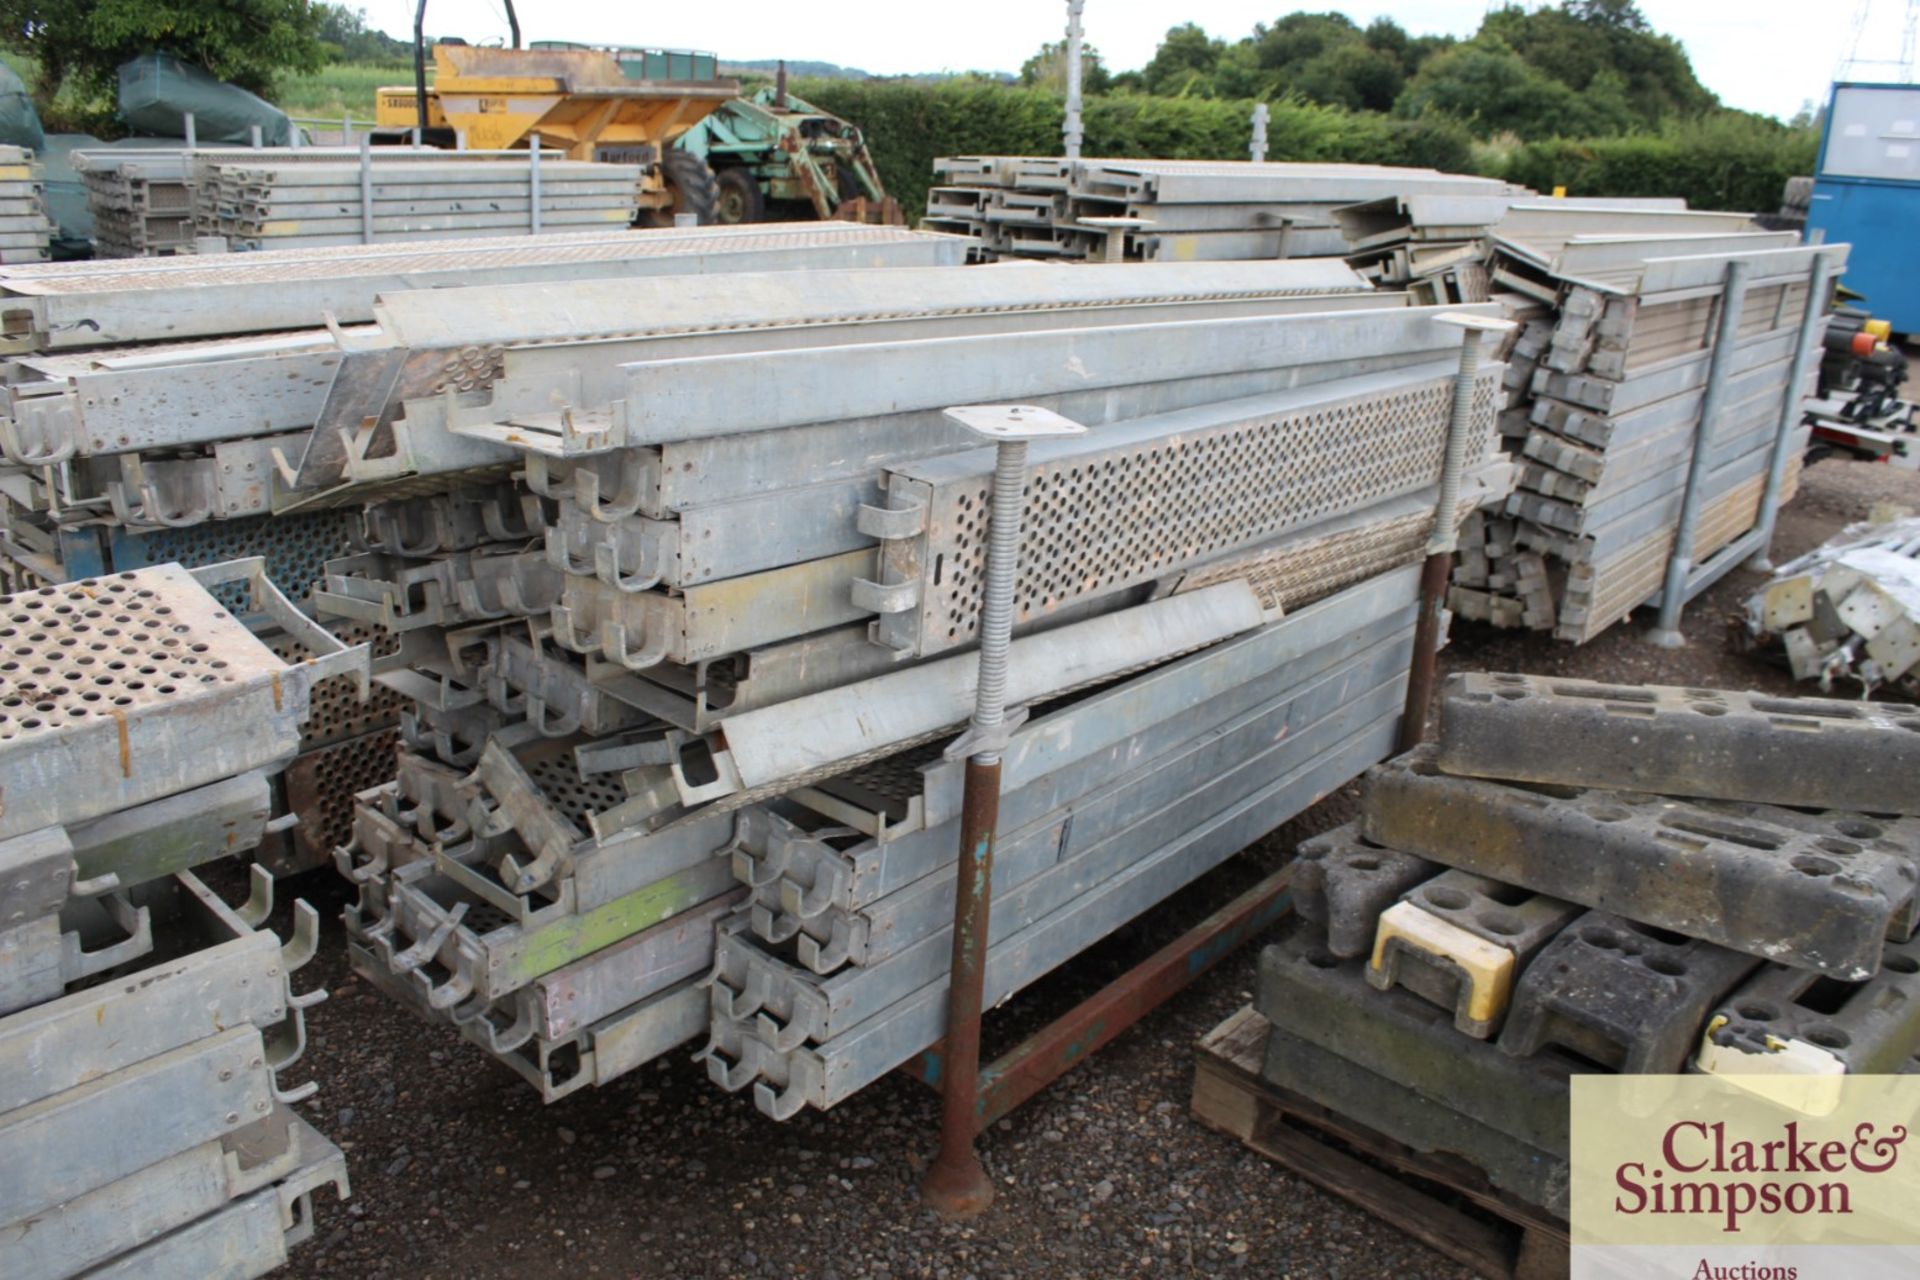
{"x":1727,"y":162}
{"x":907,"y":125}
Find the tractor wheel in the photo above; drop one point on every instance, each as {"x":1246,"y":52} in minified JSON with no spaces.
{"x":739,"y":199}
{"x":692,"y":186}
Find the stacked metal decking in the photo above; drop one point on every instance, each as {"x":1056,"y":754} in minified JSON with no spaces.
{"x":1583,"y":878}
{"x":25,"y":229}
{"x":1644,"y":388}
{"x":271,"y":203}
{"x":212,"y":398}
{"x":141,"y":201}
{"x":75,"y":305}
{"x":150,"y":202}
{"x":1437,"y":246}
{"x":1165,"y":210}
{"x":146,"y":1024}
{"x":685,"y":670}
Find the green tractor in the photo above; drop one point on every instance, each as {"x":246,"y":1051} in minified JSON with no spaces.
{"x":776,"y":157}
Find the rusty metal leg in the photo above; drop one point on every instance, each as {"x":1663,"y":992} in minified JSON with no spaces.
{"x":956,"y":1186}
{"x":1426,"y":649}
{"x":1067,"y":1041}
{"x":1441,"y":542}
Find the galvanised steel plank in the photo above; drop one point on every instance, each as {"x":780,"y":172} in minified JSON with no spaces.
{"x":1748,"y":884}
{"x":830,"y":732}
{"x":111,"y":1125}
{"x":680,"y":475}
{"x":129,"y":1213}
{"x":824,"y":1075}
{"x":1054,"y":756}
{"x":1100,"y":829}
{"x":1716,"y":744}
{"x":195,"y":697}
{"x":248,"y":1238}
{"x":93,"y":1033}
{"x":802,"y":886}
{"x":570,"y":1000}
{"x":1646,"y":386}
{"x":683,"y":399}
{"x":641,"y":629}
{"x":175,"y":834}
{"x":1137,"y":501}
{"x":498,"y":957}
{"x":1602,"y":432}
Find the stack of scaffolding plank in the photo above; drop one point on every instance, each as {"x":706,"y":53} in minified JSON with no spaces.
{"x":233,"y":340}
{"x":274,"y":203}
{"x":145,"y":1023}
{"x":1166,"y":210}
{"x":1609,"y":423}
{"x":152,"y":202}
{"x":25,"y":229}
{"x":673,"y":758}
{"x":1517,"y":905}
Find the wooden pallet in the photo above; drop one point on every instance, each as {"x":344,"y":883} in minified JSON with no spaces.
{"x":1439,"y":1200}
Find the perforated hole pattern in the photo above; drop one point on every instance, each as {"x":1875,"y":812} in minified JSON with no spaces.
{"x":295,"y":548}
{"x":98,"y":648}
{"x":574,"y":796}
{"x":321,"y":785}
{"x":1108,"y":522}
{"x":334,"y":708}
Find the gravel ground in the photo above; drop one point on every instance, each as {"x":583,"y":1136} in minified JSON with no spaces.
{"x":459,"y":1171}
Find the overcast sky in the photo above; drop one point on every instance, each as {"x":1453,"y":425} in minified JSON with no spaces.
{"x":1763,"y":55}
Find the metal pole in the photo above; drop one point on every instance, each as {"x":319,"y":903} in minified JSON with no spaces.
{"x":1791,"y":407}
{"x":533,"y":184}
{"x":253,"y":136}
{"x":187,"y":120}
{"x":1442,"y":538}
{"x":1673,"y":596}
{"x":366,"y":189}
{"x":346,"y":128}
{"x":1070,"y":134}
{"x":419,"y":66}
{"x":956,"y":1186}
{"x":1257,"y":151}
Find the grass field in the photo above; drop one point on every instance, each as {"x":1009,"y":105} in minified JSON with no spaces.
{"x":344,"y":86}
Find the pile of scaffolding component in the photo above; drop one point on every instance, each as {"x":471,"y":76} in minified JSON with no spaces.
{"x":1517,"y":905}
{"x":1848,"y":610}
{"x":145,"y":1024}
{"x":217,"y":383}
{"x":151,"y":202}
{"x":25,"y":229}
{"x":270,"y":203}
{"x":141,"y":201}
{"x":1436,"y":247}
{"x":681,"y":675}
{"x":1166,"y":210}
{"x":1639,"y":404}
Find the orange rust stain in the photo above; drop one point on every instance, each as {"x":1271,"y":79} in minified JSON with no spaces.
{"x":276,"y":691}
{"x":126,"y":746}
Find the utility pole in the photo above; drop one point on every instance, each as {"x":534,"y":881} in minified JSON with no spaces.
{"x":1070,"y":134}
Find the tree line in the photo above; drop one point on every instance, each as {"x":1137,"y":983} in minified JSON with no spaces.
{"x":1583,"y":68}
